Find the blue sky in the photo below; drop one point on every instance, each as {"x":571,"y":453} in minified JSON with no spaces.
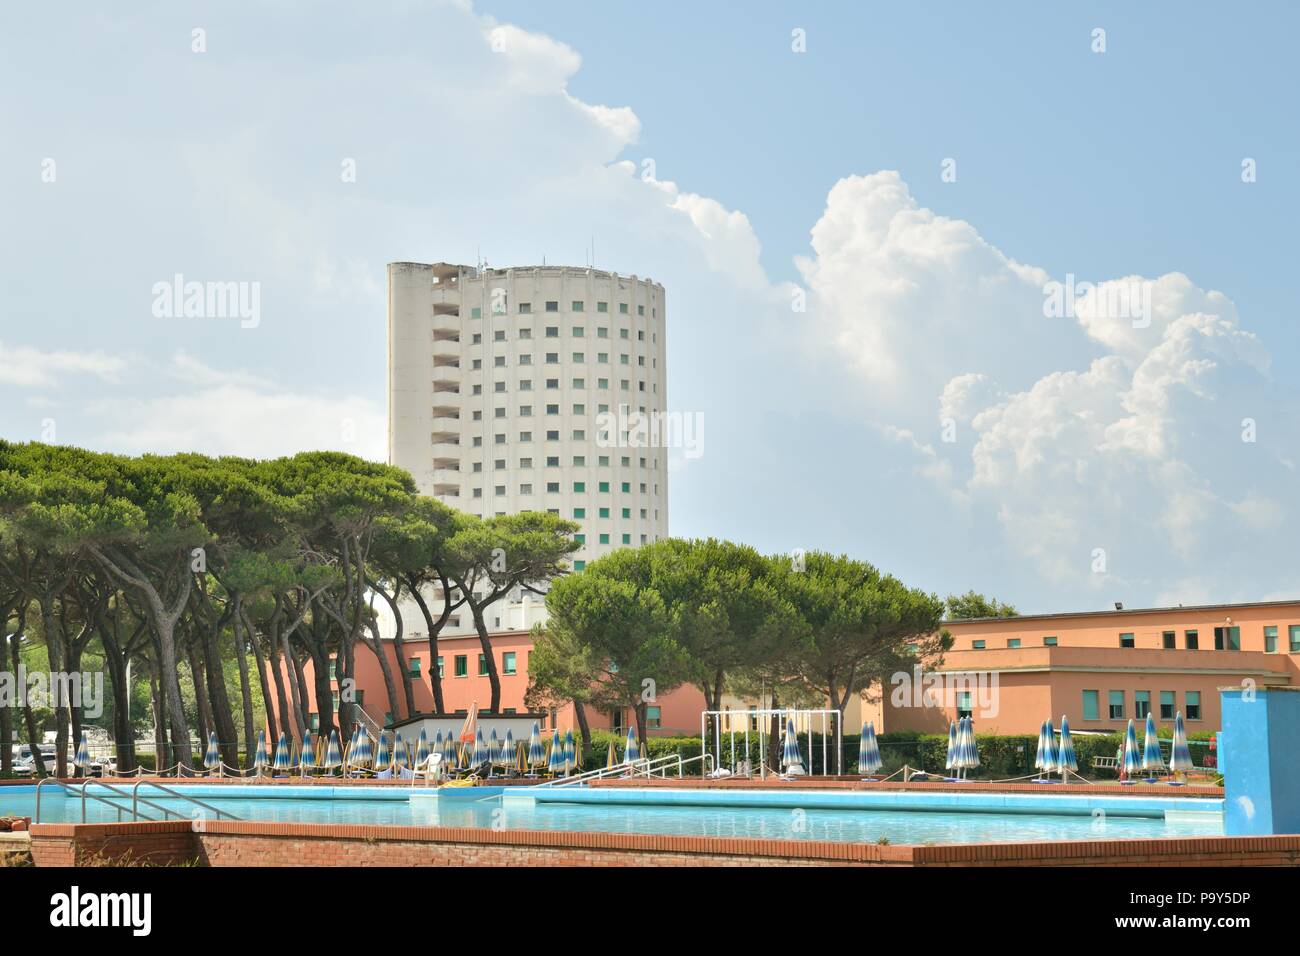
{"x":522,"y":129}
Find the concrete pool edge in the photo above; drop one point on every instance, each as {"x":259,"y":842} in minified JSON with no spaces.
{"x":247,"y":843}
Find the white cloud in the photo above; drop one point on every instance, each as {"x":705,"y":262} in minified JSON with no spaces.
{"x":34,"y":368}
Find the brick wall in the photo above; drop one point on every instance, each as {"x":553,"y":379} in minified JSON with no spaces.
{"x":244,"y":843}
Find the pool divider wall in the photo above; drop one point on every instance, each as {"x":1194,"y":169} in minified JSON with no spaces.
{"x":246,"y":843}
{"x":1261,"y":774}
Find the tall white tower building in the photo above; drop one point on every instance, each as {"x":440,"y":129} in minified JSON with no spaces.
{"x":503,"y":385}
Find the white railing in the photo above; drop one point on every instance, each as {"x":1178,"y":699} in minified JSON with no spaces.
{"x":639,"y":768}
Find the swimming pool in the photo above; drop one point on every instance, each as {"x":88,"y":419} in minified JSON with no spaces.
{"x":836,"y":816}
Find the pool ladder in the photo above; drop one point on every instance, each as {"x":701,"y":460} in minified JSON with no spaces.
{"x":641,"y":768}
{"x":136,"y":800}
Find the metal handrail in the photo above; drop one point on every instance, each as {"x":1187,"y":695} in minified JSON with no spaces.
{"x":135,"y":810}
{"x":135,"y":796}
{"x":643,"y":766}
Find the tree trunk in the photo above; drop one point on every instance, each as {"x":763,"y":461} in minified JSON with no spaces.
{"x":123,"y":738}
{"x":74,"y":707}
{"x":245,"y":688}
{"x":304,"y":706}
{"x":161,"y":753}
{"x":203,"y":714}
{"x":640,"y":710}
{"x":434,"y":628}
{"x":262,"y":668}
{"x":377,"y":647}
{"x":290,"y":662}
{"x":580,"y":713}
{"x":480,"y":625}
{"x":277,"y":675}
{"x":54,"y":648}
{"x":774,"y":736}
{"x":320,"y":674}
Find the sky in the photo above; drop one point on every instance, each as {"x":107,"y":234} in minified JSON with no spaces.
{"x":995,"y":298}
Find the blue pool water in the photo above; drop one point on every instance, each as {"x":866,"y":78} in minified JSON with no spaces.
{"x":799,"y":815}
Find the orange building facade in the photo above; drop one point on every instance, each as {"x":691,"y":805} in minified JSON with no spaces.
{"x":465,"y":684}
{"x":1100,"y":669}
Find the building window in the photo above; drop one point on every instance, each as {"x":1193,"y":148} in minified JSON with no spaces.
{"x":413,"y":667}
{"x":1090,"y":705}
{"x":525,"y":308}
{"x":1270,"y":639}
{"x":580,"y":512}
{"x":476,"y":313}
{"x":462,"y":665}
{"x":1049,"y":641}
{"x":1227,"y":638}
{"x":1013,"y":642}
{"x":1116,"y":705}
{"x":579,"y":565}
{"x":1191,"y":640}
{"x":1193,"y":704}
{"x":653,"y":718}
{"x":482,"y":665}
{"x":1294,"y":632}
{"x":1168,"y":701}
{"x":577,"y":306}
{"x":508,"y":662}
{"x":1126,"y":640}
{"x":552,"y":307}
{"x":964,"y":704}
{"x":977,"y":645}
{"x":1141,"y":704}
{"x":1170,"y":640}
{"x":441,"y":675}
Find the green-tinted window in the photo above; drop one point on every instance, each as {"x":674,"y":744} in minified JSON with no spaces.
{"x":627,"y":486}
{"x":1294,"y":632}
{"x":441,"y":675}
{"x":579,"y":565}
{"x":627,"y":539}
{"x":462,"y":665}
{"x":476,"y":313}
{"x":1141,"y":704}
{"x":604,"y":539}
{"x":1013,"y":642}
{"x":1168,"y":701}
{"x":977,"y":645}
{"x":627,"y":512}
{"x":482,"y":665}
{"x":580,"y":512}
{"x":1116,"y":705}
{"x":413,"y":667}
{"x":604,"y":486}
{"x":1193,"y":705}
{"x":1049,"y":641}
{"x":508,"y":662}
{"x":604,"y":512}
{"x":1270,"y":639}
{"x":1126,"y":640}
{"x":1090,"y":711}
{"x":580,"y":538}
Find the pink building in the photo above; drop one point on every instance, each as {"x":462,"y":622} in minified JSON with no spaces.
{"x":1102,"y":668}
{"x":465,"y":684}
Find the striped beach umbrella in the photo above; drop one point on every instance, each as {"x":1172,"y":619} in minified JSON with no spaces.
{"x":383,"y":753}
{"x":950,"y":763}
{"x":481,"y":753}
{"x":363,"y":752}
{"x":536,"y":749}
{"x":212,"y":759}
{"x":509,"y":755}
{"x":1180,"y":758}
{"x":1151,"y":759}
{"x":570,"y":752}
{"x":82,"y":759}
{"x":307,"y":757}
{"x":422,"y":750}
{"x":450,"y":753}
{"x":970,"y":749}
{"x":791,"y":759}
{"x":334,"y":752}
{"x":1132,"y":758}
{"x":555,"y":762}
{"x":494,"y":748}
{"x":631,"y":752}
{"x":401,"y":754}
{"x":869,"y":750}
{"x":282,"y":761}
{"x":1066,"y":760}
{"x":1051,"y":758}
{"x":611,"y":757}
{"x":1041,"y":754}
{"x":260,"y":759}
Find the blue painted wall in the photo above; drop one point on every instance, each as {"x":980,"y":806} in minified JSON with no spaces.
{"x":1261,"y":761}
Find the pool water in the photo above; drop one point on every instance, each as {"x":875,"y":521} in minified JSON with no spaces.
{"x":841,"y":817}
